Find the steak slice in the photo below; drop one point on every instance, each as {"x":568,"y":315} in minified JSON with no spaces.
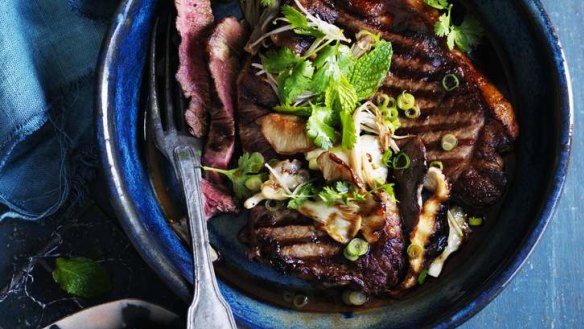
{"x":224,"y":49}
{"x":217,"y":200}
{"x":293,"y":244}
{"x":193,"y":22}
{"x":476,"y":112}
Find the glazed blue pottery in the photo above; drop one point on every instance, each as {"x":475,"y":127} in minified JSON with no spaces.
{"x":529,"y":60}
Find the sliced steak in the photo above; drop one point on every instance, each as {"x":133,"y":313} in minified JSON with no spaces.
{"x":293,"y":244}
{"x":217,"y":200}
{"x":224,"y":50}
{"x":193,"y":22}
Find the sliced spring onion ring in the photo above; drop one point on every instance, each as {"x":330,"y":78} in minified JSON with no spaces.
{"x":384,"y":100}
{"x":413,"y":113}
{"x":449,"y":142}
{"x":350,"y":257}
{"x":386,"y":158}
{"x":288,"y":296}
{"x":414,"y":250}
{"x":300,"y":300}
{"x":475,"y":221}
{"x":406,"y":101}
{"x":357,"y":247}
{"x":401,"y":161}
{"x":254,"y":183}
{"x":437,"y":164}
{"x":273,"y":205}
{"x":450,"y":82}
{"x":355,"y":298}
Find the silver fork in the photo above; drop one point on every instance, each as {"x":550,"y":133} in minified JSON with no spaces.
{"x":208,"y":308}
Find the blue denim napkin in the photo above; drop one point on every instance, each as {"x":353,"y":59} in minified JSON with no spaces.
{"x":48,"y":54}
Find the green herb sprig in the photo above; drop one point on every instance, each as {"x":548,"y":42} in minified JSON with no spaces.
{"x":248,"y":167}
{"x":465,"y":36}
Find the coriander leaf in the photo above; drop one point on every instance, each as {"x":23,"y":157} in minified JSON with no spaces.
{"x":293,"y":83}
{"x":81,"y":277}
{"x":249,"y":165}
{"x":331,"y":63}
{"x":267,"y":3}
{"x":250,"y":162}
{"x":468,"y":34}
{"x":299,"y":23}
{"x":303,"y":111}
{"x":276,"y":61}
{"x":370,"y":70}
{"x":330,"y":196}
{"x":341,"y":96}
{"x":319,"y":127}
{"x":342,"y":187}
{"x":438,"y":4}
{"x":442,"y":26}
{"x":296,"y":19}
{"x":450,"y":40}
{"x":349,"y":137}
{"x":301,"y":194}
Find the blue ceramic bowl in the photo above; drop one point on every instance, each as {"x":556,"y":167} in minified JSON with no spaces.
{"x":537,"y":81}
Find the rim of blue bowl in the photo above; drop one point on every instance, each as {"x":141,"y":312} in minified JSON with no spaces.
{"x":156,"y":255}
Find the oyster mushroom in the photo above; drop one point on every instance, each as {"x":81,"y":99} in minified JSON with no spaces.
{"x":335,"y":168}
{"x":286,"y":133}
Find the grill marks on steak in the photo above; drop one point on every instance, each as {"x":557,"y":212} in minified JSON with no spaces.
{"x":293,"y":244}
{"x":476,"y":112}
{"x":224,"y":50}
{"x":193,"y":22}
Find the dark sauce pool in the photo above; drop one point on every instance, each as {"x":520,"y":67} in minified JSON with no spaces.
{"x":311,"y":298}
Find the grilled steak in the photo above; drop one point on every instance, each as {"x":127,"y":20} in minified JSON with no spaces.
{"x":193,"y":22}
{"x":476,"y":112}
{"x":224,"y":49}
{"x":255,"y":100}
{"x":293,"y":244}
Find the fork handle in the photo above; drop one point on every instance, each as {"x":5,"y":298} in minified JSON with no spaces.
{"x":208,"y":308}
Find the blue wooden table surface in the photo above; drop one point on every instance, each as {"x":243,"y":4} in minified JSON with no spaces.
{"x":548,"y":291}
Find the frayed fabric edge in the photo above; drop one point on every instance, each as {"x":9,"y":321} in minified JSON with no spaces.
{"x":84,"y":164}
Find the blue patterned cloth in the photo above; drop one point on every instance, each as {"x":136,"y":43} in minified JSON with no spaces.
{"x":48,"y":54}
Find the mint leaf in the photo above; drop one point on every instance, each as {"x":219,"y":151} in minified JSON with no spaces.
{"x":292,"y":84}
{"x":438,"y":4}
{"x":370,"y":70}
{"x":319,"y":127}
{"x":276,"y":61}
{"x":81,"y":277}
